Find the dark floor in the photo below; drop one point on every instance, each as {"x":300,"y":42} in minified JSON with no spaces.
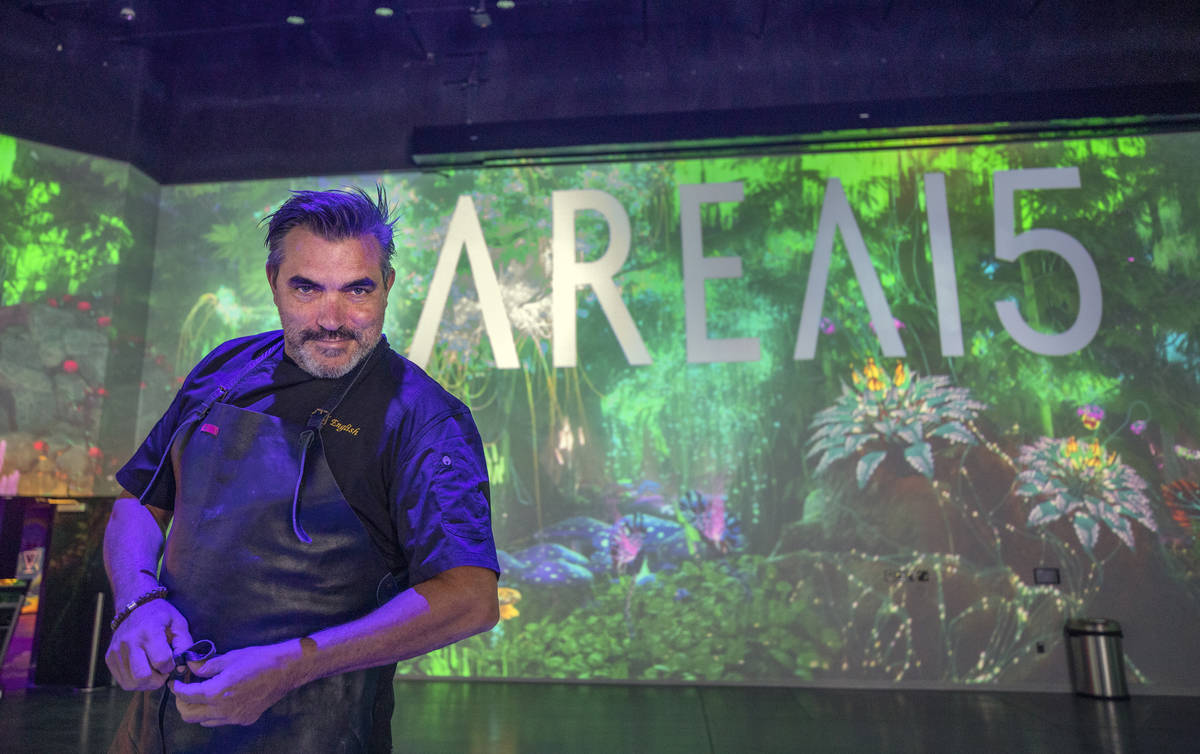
{"x":507,"y":718}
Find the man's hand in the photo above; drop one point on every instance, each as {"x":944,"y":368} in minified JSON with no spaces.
{"x":238,"y":686}
{"x":139,"y":655}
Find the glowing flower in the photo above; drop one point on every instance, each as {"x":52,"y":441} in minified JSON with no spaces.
{"x":827,"y":326}
{"x":901,"y":412}
{"x":871,"y":370}
{"x":626,"y":540}
{"x":708,"y":516}
{"x":70,"y":366}
{"x":1184,"y":451}
{"x":1083,"y":485}
{"x":1182,"y":498}
{"x":508,"y":599}
{"x":1137,"y":427}
{"x":895,"y":322}
{"x":1091,"y":415}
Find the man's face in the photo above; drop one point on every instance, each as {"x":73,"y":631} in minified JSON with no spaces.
{"x":331,"y":297}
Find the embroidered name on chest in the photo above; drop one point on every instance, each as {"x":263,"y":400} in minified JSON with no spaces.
{"x":343,"y":427}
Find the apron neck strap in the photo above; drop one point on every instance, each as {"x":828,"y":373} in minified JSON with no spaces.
{"x":221,"y":390}
{"x":316,"y":420}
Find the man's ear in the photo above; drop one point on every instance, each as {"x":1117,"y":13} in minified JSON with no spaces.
{"x":272,"y":275}
{"x":388,"y":279}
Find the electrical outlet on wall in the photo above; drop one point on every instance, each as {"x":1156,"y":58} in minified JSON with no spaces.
{"x":1046,"y":575}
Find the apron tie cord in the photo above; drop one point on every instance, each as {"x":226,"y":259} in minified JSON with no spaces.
{"x":306,"y":438}
{"x":198,"y":652}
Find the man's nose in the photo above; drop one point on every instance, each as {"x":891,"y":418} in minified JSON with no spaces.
{"x":331,"y":315}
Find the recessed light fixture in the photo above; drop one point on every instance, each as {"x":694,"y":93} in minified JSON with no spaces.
{"x":505,"y":4}
{"x":384,"y":12}
{"x":296,"y":20}
{"x":480,"y":17}
{"x":128,"y":13}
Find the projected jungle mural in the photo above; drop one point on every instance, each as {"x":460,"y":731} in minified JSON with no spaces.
{"x":785,"y":419}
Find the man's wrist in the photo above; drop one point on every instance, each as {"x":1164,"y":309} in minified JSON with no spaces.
{"x":157,"y":593}
{"x":296,"y":661}
{"x":132,"y":587}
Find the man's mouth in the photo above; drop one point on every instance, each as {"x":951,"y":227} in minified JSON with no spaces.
{"x":333,"y":337}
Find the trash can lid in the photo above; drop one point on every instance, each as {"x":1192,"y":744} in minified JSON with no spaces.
{"x":1094,"y":625}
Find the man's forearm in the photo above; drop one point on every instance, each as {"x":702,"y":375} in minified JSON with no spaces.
{"x":447,"y":608}
{"x":140,"y":654}
{"x":133,"y":542}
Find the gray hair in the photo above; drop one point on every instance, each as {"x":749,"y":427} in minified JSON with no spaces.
{"x":334,"y":215}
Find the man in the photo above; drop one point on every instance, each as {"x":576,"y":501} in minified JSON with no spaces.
{"x":308,"y":475}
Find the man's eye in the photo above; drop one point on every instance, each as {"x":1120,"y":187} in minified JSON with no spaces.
{"x":304,"y":289}
{"x":360,"y":291}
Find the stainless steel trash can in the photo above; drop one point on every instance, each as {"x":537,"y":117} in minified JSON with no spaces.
{"x":1095,"y":659}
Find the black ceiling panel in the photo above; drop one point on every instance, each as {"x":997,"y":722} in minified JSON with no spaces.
{"x":199,"y":90}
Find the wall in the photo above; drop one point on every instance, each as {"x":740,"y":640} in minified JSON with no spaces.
{"x":76,"y":235}
{"x":819,"y":428}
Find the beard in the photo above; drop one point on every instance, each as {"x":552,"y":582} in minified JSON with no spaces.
{"x":305,"y":348}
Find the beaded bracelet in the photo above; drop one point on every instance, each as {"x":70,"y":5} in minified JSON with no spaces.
{"x":156,"y":593}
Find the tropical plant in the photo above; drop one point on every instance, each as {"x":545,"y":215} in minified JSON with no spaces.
{"x":882,"y":413}
{"x":1083,"y":483}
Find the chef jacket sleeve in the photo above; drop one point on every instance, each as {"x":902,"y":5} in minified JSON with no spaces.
{"x":444,"y":516}
{"x":136,"y":475}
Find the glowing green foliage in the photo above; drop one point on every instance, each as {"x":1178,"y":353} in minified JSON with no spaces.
{"x":736,"y":619}
{"x":55,"y":237}
{"x":8,"y":155}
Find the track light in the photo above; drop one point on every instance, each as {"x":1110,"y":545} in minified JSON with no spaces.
{"x":480,"y":17}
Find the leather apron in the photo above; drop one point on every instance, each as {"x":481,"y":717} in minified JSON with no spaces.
{"x":238,"y":567}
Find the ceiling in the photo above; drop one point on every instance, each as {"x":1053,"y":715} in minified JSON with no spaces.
{"x":192,"y":91}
